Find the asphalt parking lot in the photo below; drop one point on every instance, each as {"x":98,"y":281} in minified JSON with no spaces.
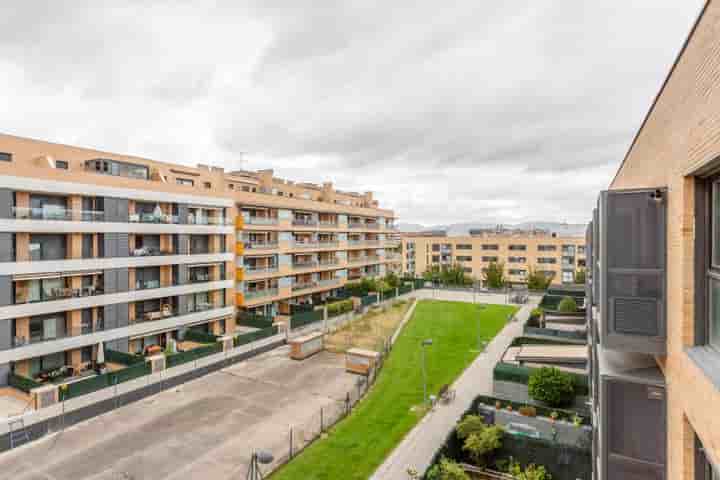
{"x":205,"y":429}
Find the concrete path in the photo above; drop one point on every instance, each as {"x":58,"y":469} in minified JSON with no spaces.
{"x":420,"y":445}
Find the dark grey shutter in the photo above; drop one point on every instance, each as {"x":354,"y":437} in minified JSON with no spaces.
{"x":6,"y":203}
{"x":183,"y":244}
{"x":123,"y":245}
{"x":122,"y":280}
{"x":6,"y":334}
{"x":6,"y":290}
{"x":7,"y":248}
{"x":632,"y":270}
{"x":110,"y":281}
{"x":182,"y":212}
{"x":122,"y":315}
{"x":122,"y":209}
{"x":635,"y":430}
{"x":110,"y":316}
{"x":110,"y":209}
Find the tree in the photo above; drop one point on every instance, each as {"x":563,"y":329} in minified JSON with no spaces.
{"x":531,"y":472}
{"x":494,"y":276}
{"x":580,"y":275}
{"x":392,"y":280}
{"x":567,"y":305}
{"x":552,"y":386}
{"x":447,"y":470}
{"x":480,"y":444}
{"x":537,"y":280}
{"x":469,"y":425}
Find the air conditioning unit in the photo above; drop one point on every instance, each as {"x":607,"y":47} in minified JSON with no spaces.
{"x":632,"y":267}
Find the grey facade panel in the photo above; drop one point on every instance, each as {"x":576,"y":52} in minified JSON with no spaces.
{"x":123,"y":315}
{"x":182,"y":211}
{"x":4,"y":374}
{"x":122,"y":280}
{"x":7,"y":249}
{"x":6,"y":203}
{"x":122,"y":248}
{"x":110,"y":281}
{"x":183,"y":243}
{"x":632,"y":276}
{"x":6,"y":334}
{"x":6,"y":290}
{"x":110,"y":316}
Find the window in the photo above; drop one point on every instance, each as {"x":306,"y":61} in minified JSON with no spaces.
{"x":86,"y":354}
{"x":207,"y":185}
{"x":517,"y":259}
{"x":713,"y":269}
{"x":231,"y":186}
{"x":546,"y":260}
{"x":546,"y":248}
{"x":61,"y":164}
{"x":5,"y":157}
{"x":435,"y":247}
{"x":461,"y":258}
{"x":489,"y":259}
{"x":463,"y":246}
{"x":185,"y":181}
{"x":467,"y":270}
{"x":490,"y":247}
{"x":517,"y":247}
{"x":515,"y":271}
{"x":436,"y":258}
{"x":704,"y":469}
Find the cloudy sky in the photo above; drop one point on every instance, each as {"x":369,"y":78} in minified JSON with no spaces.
{"x":450,"y":111}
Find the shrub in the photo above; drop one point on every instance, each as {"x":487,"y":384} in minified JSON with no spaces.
{"x":567,"y":305}
{"x":528,"y":411}
{"x":531,"y":472}
{"x":469,"y":425}
{"x":446,"y":470}
{"x":338,"y":308}
{"x":480,"y":444}
{"x":537,"y":280}
{"x":494,"y":276}
{"x":550,"y":385}
{"x":580,"y":275}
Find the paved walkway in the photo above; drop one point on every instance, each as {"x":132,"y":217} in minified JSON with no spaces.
{"x":420,"y":445}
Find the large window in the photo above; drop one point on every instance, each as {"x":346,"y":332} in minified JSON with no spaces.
{"x":704,"y":468}
{"x":713,"y":270}
{"x":5,"y":157}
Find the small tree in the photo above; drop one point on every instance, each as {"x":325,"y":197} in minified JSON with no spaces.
{"x":469,"y":425}
{"x":580,"y":275}
{"x":531,"y":472}
{"x":552,"y":386}
{"x":446,"y":470}
{"x":392,"y":280}
{"x":567,"y":305}
{"x":494,"y":276}
{"x":480,"y":444}
{"x":537,"y":280}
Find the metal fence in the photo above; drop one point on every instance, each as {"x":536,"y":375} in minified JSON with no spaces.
{"x":300,"y":319}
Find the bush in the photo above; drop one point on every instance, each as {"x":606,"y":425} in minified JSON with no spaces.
{"x":580,"y":276}
{"x":528,"y":411}
{"x":338,"y":308}
{"x":446,"y":470}
{"x":534,"y":318}
{"x":567,"y":305}
{"x":531,"y":472}
{"x":537,"y":280}
{"x":550,"y":385}
{"x":479,"y":445}
{"x":469,"y":425}
{"x":494,"y":276}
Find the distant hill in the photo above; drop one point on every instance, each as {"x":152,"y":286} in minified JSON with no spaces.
{"x":458,"y":229}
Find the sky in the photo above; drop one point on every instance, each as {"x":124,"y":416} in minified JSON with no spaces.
{"x":459,"y":111}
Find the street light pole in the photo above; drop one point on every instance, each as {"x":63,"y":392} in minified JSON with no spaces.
{"x":425,"y":343}
{"x":480,"y":309}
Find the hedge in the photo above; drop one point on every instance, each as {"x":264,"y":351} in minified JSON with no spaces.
{"x":405,"y":288}
{"x":298,"y":320}
{"x":199,"y":337}
{"x":338,"y":308}
{"x":250,"y":337}
{"x":506,"y":372}
{"x":113,"y":356}
{"x":22,"y":383}
{"x":256,"y":321}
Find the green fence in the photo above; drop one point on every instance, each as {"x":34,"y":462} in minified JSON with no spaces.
{"x":98,"y":382}
{"x":22,"y":383}
{"x":389,"y":294}
{"x":305,"y":318}
{"x":199,"y":337}
{"x":338,"y":308}
{"x":191,"y":355}
{"x":368,"y":299}
{"x":506,"y":372}
{"x":254,"y":336}
{"x":113,"y":356}
{"x":256,"y":321}
{"x":405,"y":288}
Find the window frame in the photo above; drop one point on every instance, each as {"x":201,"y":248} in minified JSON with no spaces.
{"x":707,"y":269}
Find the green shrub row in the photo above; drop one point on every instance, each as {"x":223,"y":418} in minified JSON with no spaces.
{"x":255,"y":321}
{"x":98,"y":382}
{"x":506,"y":372}
{"x":113,"y":356}
{"x":304,"y":318}
{"x":22,"y":383}
{"x":199,"y":337}
{"x":176,"y":359}
{"x":254,"y":336}
{"x":338,"y":308}
{"x":368,"y":299}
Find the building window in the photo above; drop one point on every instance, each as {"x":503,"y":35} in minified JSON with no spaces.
{"x":61,"y":164}
{"x":436,"y":258}
{"x":546,"y":248}
{"x":704,"y":469}
{"x":517,"y":247}
{"x":461,"y":258}
{"x":207,"y":185}
{"x":517,"y":259}
{"x":518,"y":272}
{"x":463,"y":246}
{"x":5,"y":157}
{"x":185,"y":181}
{"x":546,"y":260}
{"x":489,"y":259}
{"x":436,"y":247}
{"x":231,"y":186}
{"x":490,"y":247}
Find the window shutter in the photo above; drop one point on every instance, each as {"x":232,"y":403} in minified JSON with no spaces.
{"x":633,"y":270}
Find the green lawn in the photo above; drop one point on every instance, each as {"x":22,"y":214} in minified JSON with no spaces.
{"x":357,"y":445}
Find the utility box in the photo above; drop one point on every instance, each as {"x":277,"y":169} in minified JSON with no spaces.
{"x":360,"y":361}
{"x":306,"y":346}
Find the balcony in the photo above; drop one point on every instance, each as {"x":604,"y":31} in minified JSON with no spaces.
{"x":261,"y":220}
{"x":199,"y":277}
{"x":329,"y":282}
{"x":372,"y":243}
{"x":202,"y":220}
{"x":69,"y":333}
{"x":57,"y":213}
{"x":256,"y":294}
{"x":355,"y":243}
{"x":305,"y":265}
{"x":202,"y":307}
{"x":372,"y":226}
{"x":57,"y":294}
{"x":328,"y":262}
{"x":305,"y":244}
{"x":329,"y":244}
{"x":261,"y":245}
{"x":165,"y":312}
{"x":304,"y":221}
{"x":299,"y":286}
{"x":328,"y":223}
{"x":256,"y":270}
{"x":147,"y":284}
{"x":148,"y":252}
{"x":162,"y":218}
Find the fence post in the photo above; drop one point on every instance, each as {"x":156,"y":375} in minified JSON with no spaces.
{"x":291,"y":442}
{"x":325,"y":318}
{"x":322,"y":421}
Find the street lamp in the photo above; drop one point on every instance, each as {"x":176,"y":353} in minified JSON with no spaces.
{"x":481,"y":307}
{"x":423,"y":344}
{"x":258,"y":457}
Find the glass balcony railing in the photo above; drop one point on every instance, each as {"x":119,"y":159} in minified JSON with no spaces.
{"x":305,"y":264}
{"x":57,"y":213}
{"x":153,"y":218}
{"x":328,"y":223}
{"x":260,"y":245}
{"x":35,"y":338}
{"x":303,"y":286}
{"x":202,"y":220}
{"x":328,"y":283}
{"x":355,"y":225}
{"x":252,"y":270}
{"x":305,"y":244}
{"x":255,"y":294}
{"x":326,"y":262}
{"x":261,"y":220}
{"x":61,"y":293}
{"x":304,"y":221}
{"x":329,"y":243}
{"x":147,"y":284}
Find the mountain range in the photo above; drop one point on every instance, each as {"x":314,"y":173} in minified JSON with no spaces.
{"x":458,"y":229}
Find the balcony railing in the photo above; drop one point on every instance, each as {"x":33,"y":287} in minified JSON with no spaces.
{"x":252,"y":270}
{"x":355,"y":243}
{"x":165,"y":312}
{"x":146,"y":284}
{"x":304,"y":265}
{"x":303,"y":286}
{"x":304,"y":244}
{"x":148,"y":252}
{"x":328,"y":282}
{"x":328,"y":223}
{"x":59,"y":213}
{"x":355,"y":225}
{"x":261,"y":220}
{"x":58,"y":294}
{"x":254,"y":294}
{"x":329,"y":262}
{"x":202,"y":220}
{"x":70,"y":332}
{"x":305,"y":221}
{"x":260,"y":245}
{"x":329,"y":243}
{"x":357,"y":260}
{"x":202,"y":307}
{"x":372,"y":226}
{"x":199,"y":278}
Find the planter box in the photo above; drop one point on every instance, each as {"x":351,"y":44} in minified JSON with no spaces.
{"x":306,"y":346}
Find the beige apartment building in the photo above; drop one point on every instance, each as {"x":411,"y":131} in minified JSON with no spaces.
{"x":656,"y":282}
{"x":105,"y":249}
{"x":558,"y":257}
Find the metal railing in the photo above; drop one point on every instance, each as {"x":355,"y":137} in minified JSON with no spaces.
{"x":146,"y":285}
{"x":329,"y":244}
{"x":355,"y":225}
{"x":304,"y":221}
{"x":58,"y":294}
{"x":328,"y":223}
{"x":261,"y":220}
{"x":253,"y":294}
{"x":328,"y":282}
{"x":250,"y":270}
{"x":59,"y":213}
{"x":301,"y":265}
{"x":202,"y":220}
{"x":297,"y":244}
{"x":260,"y":245}
{"x":303,"y":286}
{"x":329,"y":262}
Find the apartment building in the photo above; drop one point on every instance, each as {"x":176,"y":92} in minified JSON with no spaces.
{"x":519,"y":251}
{"x":102,"y":252}
{"x":655,"y":325}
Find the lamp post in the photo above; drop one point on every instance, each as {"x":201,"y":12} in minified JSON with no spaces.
{"x":256,"y":459}
{"x":480,"y":342}
{"x":423,"y":344}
